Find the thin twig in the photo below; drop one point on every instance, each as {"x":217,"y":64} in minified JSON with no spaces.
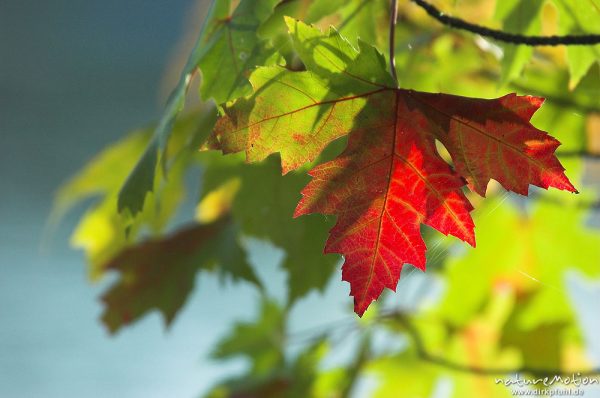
{"x":426,"y":356}
{"x":393,"y":18}
{"x":457,"y":23}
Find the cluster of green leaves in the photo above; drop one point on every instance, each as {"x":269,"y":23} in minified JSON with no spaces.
{"x":501,"y":301}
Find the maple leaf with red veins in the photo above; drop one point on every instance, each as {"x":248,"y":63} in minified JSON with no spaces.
{"x":493,"y":138}
{"x":390,"y":179}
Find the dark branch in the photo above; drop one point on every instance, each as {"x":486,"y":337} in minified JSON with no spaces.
{"x":457,"y":23}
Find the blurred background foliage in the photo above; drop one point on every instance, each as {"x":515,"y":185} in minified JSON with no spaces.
{"x":499,"y":309}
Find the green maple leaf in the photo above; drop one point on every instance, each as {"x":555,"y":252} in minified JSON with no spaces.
{"x":227,"y":49}
{"x":299,"y":113}
{"x":103,"y":231}
{"x":230,"y":48}
{"x":272,"y":372}
{"x":261,"y":341}
{"x":522,"y":17}
{"x":577,"y":18}
{"x":264,"y":206}
{"x":367,"y":20}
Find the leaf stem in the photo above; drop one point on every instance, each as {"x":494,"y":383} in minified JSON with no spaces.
{"x":393,"y":18}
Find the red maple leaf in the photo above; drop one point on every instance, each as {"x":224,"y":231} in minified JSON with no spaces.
{"x":391,"y":179}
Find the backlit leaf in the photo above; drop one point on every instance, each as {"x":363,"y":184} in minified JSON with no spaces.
{"x":264,"y":205}
{"x":230,"y":47}
{"x":578,"y":18}
{"x":273,"y":372}
{"x":226,"y":50}
{"x":390,"y":179}
{"x":103,"y":231}
{"x":298,"y":113}
{"x":522,"y":17}
{"x":261,"y":341}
